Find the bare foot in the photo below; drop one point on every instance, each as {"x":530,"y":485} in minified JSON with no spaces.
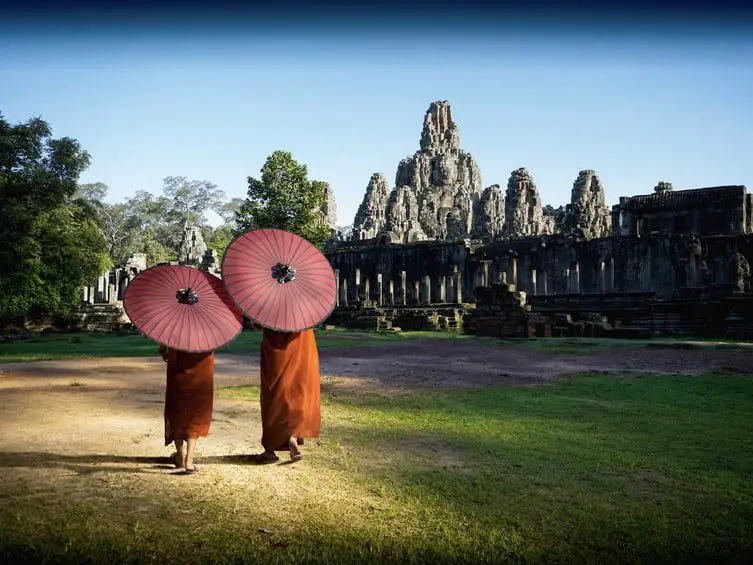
{"x":189,"y":466}
{"x":295,"y":453}
{"x":265,"y":457}
{"x":178,"y":459}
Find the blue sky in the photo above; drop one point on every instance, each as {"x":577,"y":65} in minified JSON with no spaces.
{"x":635,"y":109}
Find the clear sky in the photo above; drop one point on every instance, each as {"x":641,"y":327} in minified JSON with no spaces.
{"x":635,"y":109}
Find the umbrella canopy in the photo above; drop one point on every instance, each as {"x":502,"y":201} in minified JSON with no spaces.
{"x":280,"y":280}
{"x":183,"y":308}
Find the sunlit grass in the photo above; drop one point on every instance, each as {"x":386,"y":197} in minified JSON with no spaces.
{"x":596,"y":469}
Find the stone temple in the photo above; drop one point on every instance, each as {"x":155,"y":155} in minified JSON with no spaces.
{"x":437,"y":250}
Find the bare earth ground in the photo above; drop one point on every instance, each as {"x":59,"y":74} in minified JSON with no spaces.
{"x":113,"y":407}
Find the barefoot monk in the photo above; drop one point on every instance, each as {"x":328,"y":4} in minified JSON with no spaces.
{"x":188,"y":402}
{"x":290,"y":409}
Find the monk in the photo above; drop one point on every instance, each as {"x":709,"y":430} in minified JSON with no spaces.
{"x":290,"y":406}
{"x":188,"y":402}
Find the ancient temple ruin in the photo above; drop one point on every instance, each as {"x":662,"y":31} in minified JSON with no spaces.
{"x":102,"y":304}
{"x":435,"y":194}
{"x":669,"y":261}
{"x":435,"y":250}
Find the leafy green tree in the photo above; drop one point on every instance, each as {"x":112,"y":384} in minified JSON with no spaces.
{"x":284,"y":198}
{"x":50,"y":245}
{"x":93,"y":193}
{"x":218,"y":239}
{"x":72,"y":252}
{"x":229,"y":210}
{"x":157,"y":224}
{"x":118,"y":226}
{"x":119,"y":229}
{"x":191,"y":200}
{"x":155,"y":234}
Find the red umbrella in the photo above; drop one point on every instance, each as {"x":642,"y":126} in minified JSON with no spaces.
{"x":280,"y":280}
{"x":183,"y":308}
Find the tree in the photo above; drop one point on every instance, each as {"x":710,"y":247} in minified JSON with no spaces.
{"x":49,"y":242}
{"x":119,"y":229}
{"x":228,"y":210}
{"x":93,"y":193}
{"x":115,"y":222}
{"x":284,"y":198}
{"x":72,"y":253}
{"x":191,"y":200}
{"x":155,"y":235}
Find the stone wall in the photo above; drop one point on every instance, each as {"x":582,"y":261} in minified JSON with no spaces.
{"x":433,"y":272}
{"x":719,"y":210}
{"x":402,"y":275}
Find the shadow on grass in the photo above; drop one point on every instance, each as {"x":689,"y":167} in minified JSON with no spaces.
{"x":95,"y":463}
{"x":634,"y":469}
{"x":637,"y":469}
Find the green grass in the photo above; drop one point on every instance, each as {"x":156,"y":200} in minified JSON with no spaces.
{"x":101,"y":344}
{"x":595,"y":469}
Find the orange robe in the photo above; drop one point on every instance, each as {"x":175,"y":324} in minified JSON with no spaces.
{"x":290,"y":404}
{"x":190,"y":394}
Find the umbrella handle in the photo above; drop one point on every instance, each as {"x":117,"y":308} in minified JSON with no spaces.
{"x":186,"y":296}
{"x":283,"y":273}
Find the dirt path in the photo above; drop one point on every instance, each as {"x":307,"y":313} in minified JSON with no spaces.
{"x":443,"y":364}
{"x":95,"y":405}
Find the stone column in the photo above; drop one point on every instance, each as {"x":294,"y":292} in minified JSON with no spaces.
{"x":576,"y":279}
{"x":124,"y":282}
{"x":439,"y":295}
{"x":610,"y":275}
{"x":366,"y":290}
{"x":356,"y":290}
{"x":391,"y":293}
{"x":426,"y":287}
{"x":101,"y":292}
{"x":458,"y":285}
{"x":337,"y":288}
{"x":602,"y":278}
{"x":344,"y":292}
{"x":380,"y":290}
{"x":568,"y":282}
{"x":450,"y":289}
{"x":416,"y":299}
{"x":514,"y":272}
{"x":485,"y":273}
{"x":403,"y":289}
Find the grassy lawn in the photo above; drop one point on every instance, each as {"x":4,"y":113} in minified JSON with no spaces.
{"x":101,"y":344}
{"x":595,"y":469}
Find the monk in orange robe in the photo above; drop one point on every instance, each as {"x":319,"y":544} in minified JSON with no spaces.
{"x":188,"y":402}
{"x":290,"y":402}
